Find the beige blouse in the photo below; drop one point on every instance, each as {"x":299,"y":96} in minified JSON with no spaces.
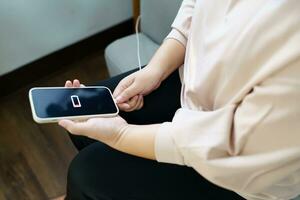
{"x":239,"y":125}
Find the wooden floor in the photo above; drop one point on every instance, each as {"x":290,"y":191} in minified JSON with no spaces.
{"x":34,"y":158}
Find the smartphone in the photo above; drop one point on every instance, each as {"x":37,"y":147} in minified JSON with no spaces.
{"x":50,"y":104}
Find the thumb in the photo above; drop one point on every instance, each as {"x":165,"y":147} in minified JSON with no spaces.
{"x":129,"y":92}
{"x":123,"y":84}
{"x":73,"y":127}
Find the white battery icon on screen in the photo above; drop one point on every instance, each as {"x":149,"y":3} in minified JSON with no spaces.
{"x":75,"y":101}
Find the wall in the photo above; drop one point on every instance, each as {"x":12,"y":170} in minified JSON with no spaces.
{"x":31,"y":29}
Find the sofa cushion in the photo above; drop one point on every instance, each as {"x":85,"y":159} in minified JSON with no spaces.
{"x":121,"y":55}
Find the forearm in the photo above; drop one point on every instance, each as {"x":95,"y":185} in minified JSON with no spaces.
{"x":138,"y":140}
{"x":167,"y":58}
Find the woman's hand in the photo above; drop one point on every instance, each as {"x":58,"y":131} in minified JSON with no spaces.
{"x":106,"y":130}
{"x":130,"y":91}
{"x":168,"y":57}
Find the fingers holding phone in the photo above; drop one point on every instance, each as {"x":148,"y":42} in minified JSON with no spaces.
{"x":75,"y":83}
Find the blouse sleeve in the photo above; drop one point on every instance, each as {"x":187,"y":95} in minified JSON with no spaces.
{"x":182,"y":22}
{"x":257,"y":141}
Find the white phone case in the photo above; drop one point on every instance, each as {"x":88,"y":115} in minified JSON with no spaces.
{"x":56,"y":119}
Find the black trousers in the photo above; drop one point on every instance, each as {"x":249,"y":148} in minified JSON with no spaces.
{"x":103,"y":173}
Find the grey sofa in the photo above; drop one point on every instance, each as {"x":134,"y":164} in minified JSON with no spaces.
{"x":156,"y":19}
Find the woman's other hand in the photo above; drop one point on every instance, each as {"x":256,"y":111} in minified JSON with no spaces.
{"x":130,"y":91}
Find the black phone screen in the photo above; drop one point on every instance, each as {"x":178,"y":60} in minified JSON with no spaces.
{"x":63,"y":102}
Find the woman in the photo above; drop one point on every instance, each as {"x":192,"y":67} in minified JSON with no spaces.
{"x":236,"y":130}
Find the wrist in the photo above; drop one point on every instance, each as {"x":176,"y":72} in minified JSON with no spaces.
{"x":119,"y":132}
{"x":155,"y":70}
{"x":137,"y":140}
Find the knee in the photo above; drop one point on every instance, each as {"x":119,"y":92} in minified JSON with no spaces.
{"x":87,"y":178}
{"x":76,"y":179}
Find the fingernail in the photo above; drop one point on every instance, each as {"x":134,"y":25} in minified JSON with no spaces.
{"x":61,"y":123}
{"x":119,"y":99}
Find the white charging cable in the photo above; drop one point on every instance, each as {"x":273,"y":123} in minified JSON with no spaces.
{"x":138,"y":40}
